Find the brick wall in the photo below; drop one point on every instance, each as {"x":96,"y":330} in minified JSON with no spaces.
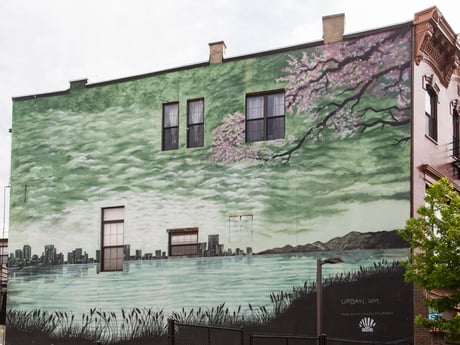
{"x":422,"y":336}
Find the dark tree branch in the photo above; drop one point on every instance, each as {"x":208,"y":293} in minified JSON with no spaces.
{"x":353,"y":101}
{"x":402,"y":141}
{"x":337,"y":65}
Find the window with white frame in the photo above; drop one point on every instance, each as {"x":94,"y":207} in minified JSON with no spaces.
{"x":112,"y":238}
{"x":431,"y":113}
{"x":265,"y":116}
{"x":195,"y":123}
{"x":431,"y":106}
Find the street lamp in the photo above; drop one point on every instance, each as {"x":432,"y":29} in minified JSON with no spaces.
{"x":319,"y":291}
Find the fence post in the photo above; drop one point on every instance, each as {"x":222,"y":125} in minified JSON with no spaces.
{"x":171,"y":331}
{"x":322,"y":339}
{"x":209,"y":336}
{"x":242,"y":335}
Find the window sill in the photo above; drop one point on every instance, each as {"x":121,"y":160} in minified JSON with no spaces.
{"x":431,"y":139}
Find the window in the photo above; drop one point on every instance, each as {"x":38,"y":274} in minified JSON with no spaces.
{"x":112,"y":238}
{"x":431,"y":113}
{"x":170,"y":126}
{"x":183,"y":242}
{"x":195,"y":123}
{"x":265,"y":116}
{"x":456,"y":134}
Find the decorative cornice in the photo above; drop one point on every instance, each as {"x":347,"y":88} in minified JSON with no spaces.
{"x":437,"y":44}
{"x":432,"y":175}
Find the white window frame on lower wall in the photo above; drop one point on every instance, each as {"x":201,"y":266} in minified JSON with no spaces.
{"x":112,"y":238}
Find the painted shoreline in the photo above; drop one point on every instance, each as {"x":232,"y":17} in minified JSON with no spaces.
{"x":281,"y":318}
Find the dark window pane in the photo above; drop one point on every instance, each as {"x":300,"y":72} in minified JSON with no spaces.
{"x":255,"y":130}
{"x":195,"y":123}
{"x":255,"y":107}
{"x":428,"y":103}
{"x":183,"y":242}
{"x":275,"y":104}
{"x":171,"y":115}
{"x":184,"y":250}
{"x":431,"y":108}
{"x":113,"y":259}
{"x":196,"y":136}
{"x":195,"y":112}
{"x":275,"y":128}
{"x":112,"y":239}
{"x":170,"y":126}
{"x":170,"y":138}
{"x":456,"y":135}
{"x":265,"y":117}
{"x":456,"y":147}
{"x":430,"y":127}
{"x":184,"y":239}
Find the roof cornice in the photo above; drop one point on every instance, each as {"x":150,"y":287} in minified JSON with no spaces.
{"x":437,"y":44}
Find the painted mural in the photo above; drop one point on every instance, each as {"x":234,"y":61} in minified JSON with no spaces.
{"x":335,"y":183}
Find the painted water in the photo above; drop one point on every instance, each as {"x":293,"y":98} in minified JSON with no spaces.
{"x":173,"y":284}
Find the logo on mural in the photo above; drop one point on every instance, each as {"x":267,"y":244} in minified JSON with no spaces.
{"x":367,"y":324}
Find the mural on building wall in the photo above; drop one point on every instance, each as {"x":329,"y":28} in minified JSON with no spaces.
{"x":258,"y":215}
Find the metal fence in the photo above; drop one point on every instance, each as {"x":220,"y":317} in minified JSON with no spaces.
{"x":272,"y":339}
{"x":341,"y":341}
{"x":188,"y":334}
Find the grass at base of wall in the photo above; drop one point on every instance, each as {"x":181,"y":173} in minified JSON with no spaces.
{"x":146,"y":326}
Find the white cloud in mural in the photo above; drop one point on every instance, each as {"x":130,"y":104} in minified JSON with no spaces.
{"x":47,"y":43}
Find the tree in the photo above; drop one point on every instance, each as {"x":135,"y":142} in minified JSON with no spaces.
{"x":434,"y":262}
{"x":228,"y":144}
{"x":349,"y":87}
{"x":333,"y":91}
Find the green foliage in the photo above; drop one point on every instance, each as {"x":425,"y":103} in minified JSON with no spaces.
{"x":434,"y":262}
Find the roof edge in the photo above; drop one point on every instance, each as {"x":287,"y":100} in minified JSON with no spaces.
{"x":83,"y":83}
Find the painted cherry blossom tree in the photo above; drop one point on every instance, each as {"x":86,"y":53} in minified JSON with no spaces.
{"x":228,"y":145}
{"x":350,"y":87}
{"x":338,"y":90}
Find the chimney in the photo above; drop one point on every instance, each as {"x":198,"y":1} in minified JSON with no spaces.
{"x":333,"y":28}
{"x":78,"y":84}
{"x":216,"y":52}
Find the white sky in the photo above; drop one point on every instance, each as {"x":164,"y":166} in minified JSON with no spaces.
{"x":46,"y":43}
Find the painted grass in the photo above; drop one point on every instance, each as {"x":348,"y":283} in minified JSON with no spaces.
{"x":95,"y":326}
{"x":145,"y":323}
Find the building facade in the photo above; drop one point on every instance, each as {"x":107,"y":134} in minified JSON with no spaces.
{"x":228,"y":180}
{"x":436,"y":87}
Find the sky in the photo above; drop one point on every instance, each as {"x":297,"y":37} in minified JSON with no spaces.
{"x":44,"y":44}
